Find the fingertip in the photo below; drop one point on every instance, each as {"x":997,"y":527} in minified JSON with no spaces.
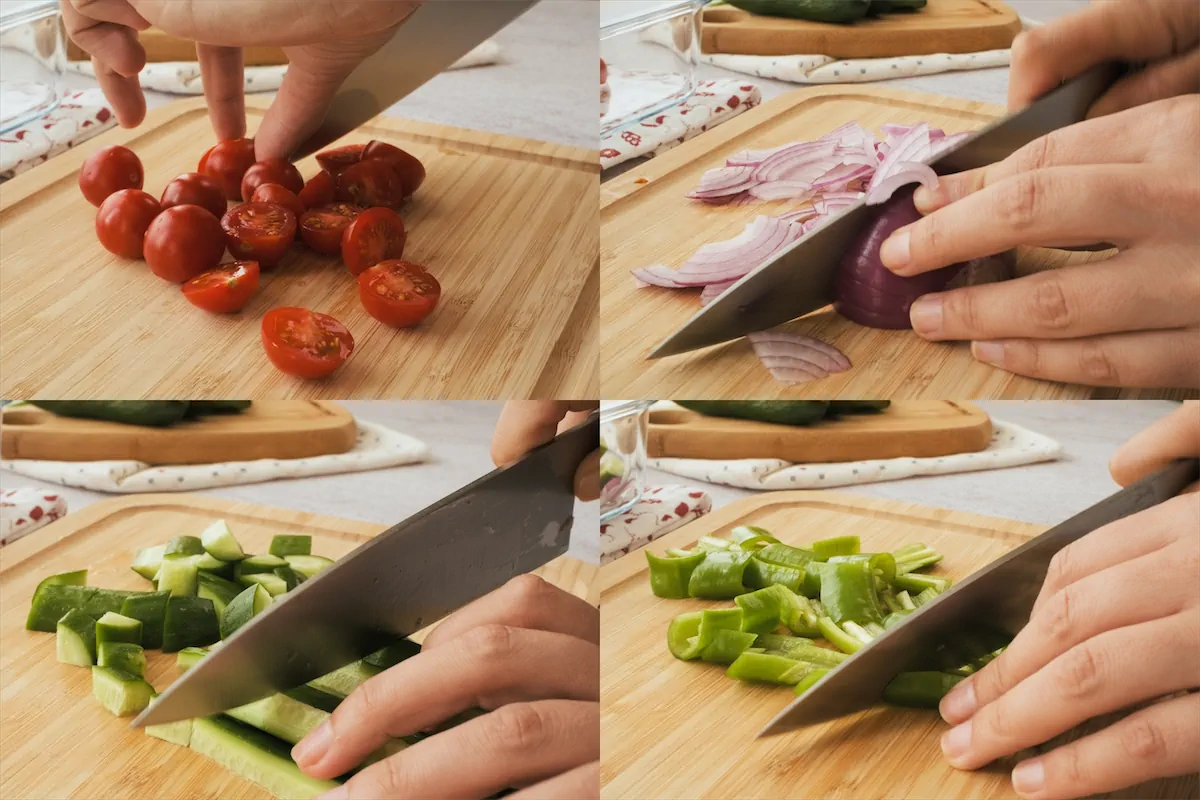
{"x":927,"y":200}
{"x":896,"y":251}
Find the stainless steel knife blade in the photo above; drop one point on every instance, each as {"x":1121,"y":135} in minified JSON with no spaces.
{"x":799,"y":280}
{"x":511,"y":521}
{"x":435,"y":36}
{"x":1002,"y":593}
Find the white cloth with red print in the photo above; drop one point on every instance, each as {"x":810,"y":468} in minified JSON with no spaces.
{"x":661,"y":510}
{"x":23,"y":511}
{"x":78,"y":117}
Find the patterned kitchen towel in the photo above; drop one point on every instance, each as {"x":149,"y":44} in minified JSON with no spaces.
{"x":78,"y":117}
{"x":712,"y":103}
{"x":661,"y":510}
{"x":377,"y":447}
{"x":23,"y":511}
{"x":1011,"y":446}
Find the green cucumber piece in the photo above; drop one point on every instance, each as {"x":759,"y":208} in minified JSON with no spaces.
{"x":308,"y":566}
{"x":281,"y":716}
{"x":201,"y":407}
{"x":315,"y":697}
{"x":190,"y":622}
{"x":209,"y":562}
{"x":121,"y":693}
{"x":75,"y":639}
{"x":114,"y":627}
{"x":51,"y":602}
{"x":217,"y":589}
{"x":184,"y":546}
{"x":154,"y":413}
{"x":219,"y":542}
{"x":148,"y":560}
{"x":291,"y":578}
{"x":189,"y":657}
{"x":393,"y":654}
{"x":288,"y":545}
{"x":76,"y":578}
{"x":178,"y":575}
{"x":341,"y":682}
{"x":255,"y":756}
{"x":274,"y":584}
{"x":151,"y":610}
{"x":253,"y":600}
{"x":261,"y":563}
{"x":179,"y":733}
{"x":124,"y":656}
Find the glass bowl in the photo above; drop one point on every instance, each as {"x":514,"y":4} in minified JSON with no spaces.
{"x":32,"y":59}
{"x":623,"y":427}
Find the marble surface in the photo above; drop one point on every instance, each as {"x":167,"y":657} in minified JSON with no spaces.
{"x":459,"y":435}
{"x":1089,"y":430}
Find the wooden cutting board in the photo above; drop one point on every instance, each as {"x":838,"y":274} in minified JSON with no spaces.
{"x":160,"y":46}
{"x":267,"y":429}
{"x":911,"y":428}
{"x":508,"y":226}
{"x":57,"y":740}
{"x":646,"y":219}
{"x":943,"y":26}
{"x":675,"y":729}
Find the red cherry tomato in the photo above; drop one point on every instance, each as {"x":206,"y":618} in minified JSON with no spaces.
{"x":260,"y":232}
{"x":195,"y":189}
{"x":398,"y":293}
{"x":336,"y":159}
{"x":305,"y":344}
{"x":109,"y":170}
{"x":374,"y":235}
{"x":408,"y":167}
{"x":321,"y":228}
{"x":274,"y":170}
{"x":227,"y":162}
{"x":274,"y":193}
{"x":371,"y":183}
{"x":318,"y":191}
{"x":225,"y":289}
{"x":122,"y":221}
{"x":182,"y":242}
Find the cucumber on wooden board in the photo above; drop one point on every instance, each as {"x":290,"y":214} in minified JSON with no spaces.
{"x":217,"y":589}
{"x":188,"y":657}
{"x":75,"y":639}
{"x":308,"y":566}
{"x":289,"y":545}
{"x":281,"y":716}
{"x":290,"y":577}
{"x":219,"y":542}
{"x":115,"y":627}
{"x":124,"y":656}
{"x":51,"y":602}
{"x":184,"y":546}
{"x":76,"y":578}
{"x":178,"y":575}
{"x":842,"y":11}
{"x":121,"y":693}
{"x":344,"y":680}
{"x":274,"y":584}
{"x":152,"y":413}
{"x":179,"y":733}
{"x":393,"y":654}
{"x":780,"y":412}
{"x":198,"y":408}
{"x":258,"y":757}
{"x":251,"y":565}
{"x":147,"y":561}
{"x":151,"y":610}
{"x":190,"y":622}
{"x":252,"y":600}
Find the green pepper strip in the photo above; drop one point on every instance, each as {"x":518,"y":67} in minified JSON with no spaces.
{"x":914,"y":582}
{"x":760,"y":574}
{"x":889,"y":598}
{"x":838,"y":637}
{"x":762,"y":610}
{"x":798,"y":648}
{"x":719,"y":576}
{"x":919,"y":689}
{"x":784,"y":555}
{"x":906,"y":601}
{"x":836,"y":546}
{"x":848,"y":592}
{"x":883,"y":565}
{"x":810,"y":680}
{"x":915,"y":556}
{"x":712,"y":543}
{"x":857,"y":631}
{"x":669,"y":576}
{"x":755,"y":544}
{"x":744,"y":533}
{"x":812,"y":579}
{"x":768,"y":668}
{"x":689,"y":634}
{"x":799,"y":614}
{"x":925,"y":596}
{"x":679,"y":552}
{"x":896,"y":617}
{"x":726,"y":646}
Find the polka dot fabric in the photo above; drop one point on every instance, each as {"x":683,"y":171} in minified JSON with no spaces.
{"x":23,"y":511}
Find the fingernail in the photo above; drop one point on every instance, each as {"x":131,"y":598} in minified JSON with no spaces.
{"x":894,"y":250}
{"x":1029,"y":777}
{"x":927,"y":200}
{"x":988,"y":352}
{"x":926,"y":315}
{"x":311,"y":748}
{"x":340,"y":793}
{"x":959,"y":704}
{"x":956,"y":742}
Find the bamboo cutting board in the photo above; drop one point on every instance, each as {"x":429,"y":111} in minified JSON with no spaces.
{"x":646,"y":219}
{"x":56,"y":739}
{"x":675,"y":729}
{"x":943,"y":26}
{"x":508,"y":227}
{"x":912,"y":428}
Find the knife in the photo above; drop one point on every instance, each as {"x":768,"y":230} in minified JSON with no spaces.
{"x":510,"y":521}
{"x":434,"y":36}
{"x":1003,"y":593}
{"x":800,"y":279}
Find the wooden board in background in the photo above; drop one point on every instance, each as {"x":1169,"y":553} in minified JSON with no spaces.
{"x":943,"y":26}
{"x":160,"y":46}
{"x":267,"y":429}
{"x":508,"y":226}
{"x":912,"y":428}
{"x":57,"y":740}
{"x":676,"y":729}
{"x":646,"y":219}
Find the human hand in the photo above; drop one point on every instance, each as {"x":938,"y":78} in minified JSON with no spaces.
{"x":1163,"y":34}
{"x":1130,"y":178}
{"x":524,"y":424}
{"x":1176,"y":435}
{"x":324,"y":42}
{"x":529,"y":654}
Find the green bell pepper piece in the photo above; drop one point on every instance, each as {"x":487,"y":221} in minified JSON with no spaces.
{"x":919,"y":689}
{"x":762,"y":610}
{"x":712,"y":543}
{"x":848,"y":592}
{"x":836,"y":546}
{"x":810,"y":680}
{"x":743,"y":533}
{"x":726,"y":646}
{"x":914,"y":582}
{"x":925,"y":596}
{"x":799,"y":648}
{"x":669,"y":576}
{"x":838,"y":637}
{"x":769,"y":668}
{"x":915,"y":556}
{"x":811,"y":587}
{"x":784,"y":555}
{"x":896,"y":617}
{"x":883,"y":565}
{"x":798,"y":613}
{"x":719,"y":576}
{"x":760,"y":575}
{"x":689,"y":634}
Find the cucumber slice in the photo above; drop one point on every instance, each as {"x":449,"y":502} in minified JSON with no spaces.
{"x":341,"y":682}
{"x":76,"y":578}
{"x":114,"y":627}
{"x":184,"y":546}
{"x":315,"y":697}
{"x":280,"y":716}
{"x":220,"y":542}
{"x":291,"y":546}
{"x":253,"y":600}
{"x":190,"y":622}
{"x":393,"y":654}
{"x":75,"y":640}
{"x":179,"y":733}
{"x":208,"y":562}
{"x":217,"y":589}
{"x":274,"y":584}
{"x":51,"y":602}
{"x":148,"y":560}
{"x":189,"y":657}
{"x":255,"y":756}
{"x":308,"y":566}
{"x":254,"y":564}
{"x":124,"y":656}
{"x":121,"y":693}
{"x":291,"y":578}
{"x":151,"y":610}
{"x":178,"y":575}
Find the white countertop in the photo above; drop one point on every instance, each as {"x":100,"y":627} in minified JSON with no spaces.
{"x":1089,"y":431}
{"x":459,"y":436}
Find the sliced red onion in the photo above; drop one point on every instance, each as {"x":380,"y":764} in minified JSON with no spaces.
{"x":794,"y":358}
{"x":714,"y":290}
{"x":781,"y":190}
{"x":905,"y":172}
{"x":800,"y":215}
{"x":795,"y":161}
{"x":752,"y":158}
{"x":840,"y":177}
{"x":657,"y":275}
{"x":719,"y":262}
{"x":723,"y":181}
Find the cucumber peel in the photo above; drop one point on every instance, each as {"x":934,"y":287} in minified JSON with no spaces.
{"x":178,"y":575}
{"x":308,"y":566}
{"x":256,"y":756}
{"x":217,"y":589}
{"x":285,"y":545}
{"x":76,"y":578}
{"x":114,"y":627}
{"x":75,"y":640}
{"x":124,"y":656}
{"x":52,"y":601}
{"x":190,"y":622}
{"x":151,"y":610}
{"x":252,"y":600}
{"x":147,"y":561}
{"x":184,"y":546}
{"x":121,"y":693}
{"x":274,"y":584}
{"x":260,"y":563}
{"x":219,"y":542}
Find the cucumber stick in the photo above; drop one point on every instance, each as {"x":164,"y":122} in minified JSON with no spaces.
{"x":184,"y":546}
{"x":274,"y":584}
{"x":252,"y":600}
{"x":189,"y":657}
{"x":219,"y":542}
{"x":255,"y":756}
{"x":123,"y":656}
{"x":75,"y":640}
{"x":179,"y":733}
{"x":217,"y":589}
{"x":308,"y":566}
{"x":255,"y":564}
{"x":148,"y":560}
{"x":178,"y":575}
{"x":190,"y":622}
{"x":291,"y":579}
{"x":52,"y":601}
{"x":114,"y":627}
{"x":341,"y":682}
{"x":281,"y":716}
{"x":76,"y":578}
{"x":121,"y":693}
{"x":151,"y":610}
{"x":291,"y":546}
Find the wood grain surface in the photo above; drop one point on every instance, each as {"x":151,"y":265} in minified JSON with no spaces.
{"x":676,"y":729}
{"x":508,"y":227}
{"x":646,"y":219}
{"x":57,"y":741}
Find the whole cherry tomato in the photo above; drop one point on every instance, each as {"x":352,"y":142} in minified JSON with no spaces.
{"x":305,"y":344}
{"x":318,"y":191}
{"x":122,"y":221}
{"x":227,"y":162}
{"x":196,"y":189}
{"x":274,"y":170}
{"x":260,"y":232}
{"x":398,"y":293}
{"x":182,"y":242}
{"x":373,"y":236}
{"x":321,"y":228}
{"x":408,"y":167}
{"x":371,"y":183}
{"x":336,"y":159}
{"x":109,"y":170}
{"x":225,"y":289}
{"x":274,"y":193}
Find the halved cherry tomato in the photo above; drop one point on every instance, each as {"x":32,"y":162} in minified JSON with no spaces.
{"x":336,"y":159}
{"x":398,"y":293}
{"x":374,"y":235}
{"x":321,"y":228}
{"x":318,"y":191}
{"x":227,"y":162}
{"x":182,"y":242}
{"x":260,"y":232}
{"x":279,"y":195}
{"x":225,"y":289}
{"x":305,"y":344}
{"x":122,"y":221}
{"x":109,"y":169}
{"x":196,"y":189}
{"x":273,"y":170}
{"x":371,"y":183}
{"x":408,"y":167}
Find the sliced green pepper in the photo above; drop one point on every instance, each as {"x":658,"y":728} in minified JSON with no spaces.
{"x":896,"y":617}
{"x":812,"y":579}
{"x":836,"y":546}
{"x":848,"y":592}
{"x":883,"y":565}
{"x":689,"y":634}
{"x":745,"y":533}
{"x":799,"y":648}
{"x":726,"y":646}
{"x":810,"y":680}
{"x":669,"y":575}
{"x":915,"y":582}
{"x":799,"y":614}
{"x":712,"y":543}
{"x":769,"y":668}
{"x":679,"y":552}
{"x":719,"y":576}
{"x":915,"y":556}
{"x":784,"y":555}
{"x":760,"y":574}
{"x":761,"y":610}
{"x":838,"y":637}
{"x":919,"y":689}
{"x":925,"y":596}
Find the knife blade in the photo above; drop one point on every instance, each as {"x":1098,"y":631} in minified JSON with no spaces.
{"x":1003,"y":593}
{"x":435,"y":36}
{"x":799,"y":280}
{"x":510,"y":521}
